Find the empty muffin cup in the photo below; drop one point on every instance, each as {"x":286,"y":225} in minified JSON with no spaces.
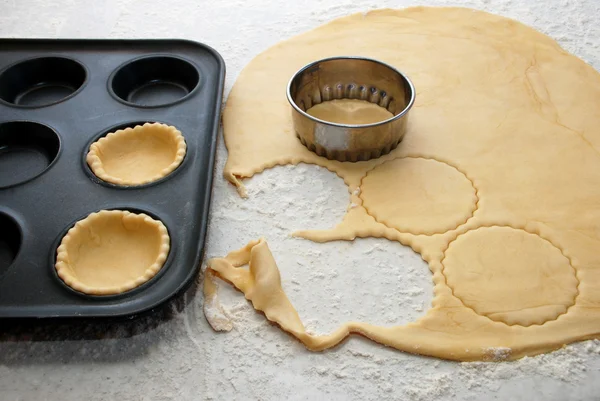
{"x":356,"y":78}
{"x":137,"y":155}
{"x":27,"y":149}
{"x":154,"y":81}
{"x":112,"y":251}
{"x":41,"y":81}
{"x":10,"y":241}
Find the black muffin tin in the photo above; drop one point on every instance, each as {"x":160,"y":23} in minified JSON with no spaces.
{"x":56,"y":98}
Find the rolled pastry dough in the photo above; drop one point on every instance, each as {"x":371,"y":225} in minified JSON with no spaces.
{"x":496,"y":184}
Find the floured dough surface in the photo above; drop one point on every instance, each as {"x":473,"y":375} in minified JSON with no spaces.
{"x":496,"y":184}
{"x":349,"y":111}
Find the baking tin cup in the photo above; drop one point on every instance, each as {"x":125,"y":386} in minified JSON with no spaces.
{"x":41,"y":81}
{"x":350,"y":78}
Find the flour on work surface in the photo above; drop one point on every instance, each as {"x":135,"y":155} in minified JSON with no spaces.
{"x":497,"y":353}
{"x":390,"y":375}
{"x":330,"y":283}
{"x":214,"y":312}
{"x":567,"y":365}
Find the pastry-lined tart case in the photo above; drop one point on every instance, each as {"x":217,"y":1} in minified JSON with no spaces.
{"x":111,"y":252}
{"x":137,"y":155}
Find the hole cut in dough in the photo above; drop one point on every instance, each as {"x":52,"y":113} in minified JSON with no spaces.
{"x":137,"y":156}
{"x":112,"y":251}
{"x":349,"y":111}
{"x":372,"y":280}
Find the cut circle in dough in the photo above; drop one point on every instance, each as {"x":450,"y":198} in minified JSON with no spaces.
{"x":138,"y":155}
{"x":112,"y":251}
{"x":510,"y":275}
{"x":446,"y":196}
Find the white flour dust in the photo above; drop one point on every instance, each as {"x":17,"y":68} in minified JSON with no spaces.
{"x":372,"y":280}
{"x":183,"y":358}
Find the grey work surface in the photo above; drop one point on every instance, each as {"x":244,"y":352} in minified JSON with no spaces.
{"x":174,"y":354}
